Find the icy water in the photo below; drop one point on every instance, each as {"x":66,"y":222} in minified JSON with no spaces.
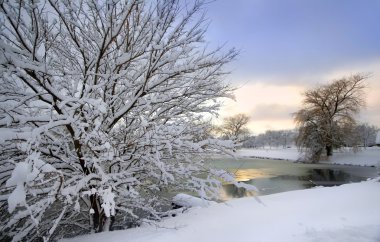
{"x":274,"y":176}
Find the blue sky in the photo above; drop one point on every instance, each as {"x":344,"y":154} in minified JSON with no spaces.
{"x":296,"y":44}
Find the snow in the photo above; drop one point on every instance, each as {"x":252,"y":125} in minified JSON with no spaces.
{"x":108,"y":204}
{"x":364,"y":157}
{"x":18,"y":178}
{"x":283,"y":154}
{"x":188,"y":201}
{"x":17,"y":197}
{"x":19,"y":174}
{"x":368,"y":157}
{"x":346,"y":213}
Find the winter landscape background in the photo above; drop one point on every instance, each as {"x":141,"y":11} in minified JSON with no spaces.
{"x":178,"y":120}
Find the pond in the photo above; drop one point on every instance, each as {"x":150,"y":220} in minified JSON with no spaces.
{"x":274,"y":176}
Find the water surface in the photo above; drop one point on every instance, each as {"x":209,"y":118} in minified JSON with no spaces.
{"x":274,"y":176}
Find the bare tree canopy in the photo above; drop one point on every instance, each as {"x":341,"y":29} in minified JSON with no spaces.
{"x":100,"y":112}
{"x":328,"y":115}
{"x":235,"y":127}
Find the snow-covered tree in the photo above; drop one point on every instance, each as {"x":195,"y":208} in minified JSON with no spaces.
{"x":101,"y":112}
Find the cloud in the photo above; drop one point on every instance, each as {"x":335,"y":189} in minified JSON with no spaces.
{"x":250,"y":95}
{"x":288,"y":47}
{"x":269,"y":106}
{"x":272,"y":112}
{"x":289,"y":42}
{"x":371,"y":113}
{"x":258,"y":127}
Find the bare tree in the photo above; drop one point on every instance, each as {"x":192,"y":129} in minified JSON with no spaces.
{"x":366,"y":134}
{"x":328,"y":115}
{"x":377,"y":141}
{"x":235,"y":127}
{"x":99,"y":112}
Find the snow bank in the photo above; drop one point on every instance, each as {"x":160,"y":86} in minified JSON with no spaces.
{"x":364,"y":157}
{"x":346,"y":213}
{"x":188,"y":201}
{"x":283,"y":154}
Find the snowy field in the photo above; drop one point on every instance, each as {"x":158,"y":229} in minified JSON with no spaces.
{"x":369,"y":156}
{"x":348,"y":213}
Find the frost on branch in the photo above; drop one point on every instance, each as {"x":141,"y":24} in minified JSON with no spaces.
{"x":101,"y":113}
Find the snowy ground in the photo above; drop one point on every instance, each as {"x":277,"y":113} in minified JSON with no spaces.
{"x":368,"y":156}
{"x":346,"y":213}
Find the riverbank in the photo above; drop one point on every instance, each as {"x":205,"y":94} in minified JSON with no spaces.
{"x":346,"y":213}
{"x":364,"y":157}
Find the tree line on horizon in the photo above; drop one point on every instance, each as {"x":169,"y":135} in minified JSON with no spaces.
{"x":235,"y":128}
{"x":364,"y":135}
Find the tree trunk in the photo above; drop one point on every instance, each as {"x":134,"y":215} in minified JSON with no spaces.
{"x":316,"y":156}
{"x":99,"y":221}
{"x":106,"y":224}
{"x":329,"y":150}
{"x":96,"y":216}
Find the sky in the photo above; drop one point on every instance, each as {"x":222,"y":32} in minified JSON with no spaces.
{"x":289,"y":46}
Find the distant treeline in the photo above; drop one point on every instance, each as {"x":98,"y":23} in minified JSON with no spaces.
{"x":364,"y":136}
{"x":272,"y":138}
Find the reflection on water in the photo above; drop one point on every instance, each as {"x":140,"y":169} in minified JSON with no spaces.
{"x":271,"y":176}
{"x":330,"y":177}
{"x":248,"y":174}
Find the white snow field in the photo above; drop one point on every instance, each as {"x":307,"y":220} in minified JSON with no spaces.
{"x":364,"y":157}
{"x":348,"y":213}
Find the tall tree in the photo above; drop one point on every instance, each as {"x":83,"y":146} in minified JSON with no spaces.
{"x":100,"y":112}
{"x":328,"y":115}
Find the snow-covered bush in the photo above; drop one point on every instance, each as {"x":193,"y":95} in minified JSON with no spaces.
{"x":101,"y":112}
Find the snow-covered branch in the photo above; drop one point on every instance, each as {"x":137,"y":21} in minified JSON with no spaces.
{"x":101,"y":112}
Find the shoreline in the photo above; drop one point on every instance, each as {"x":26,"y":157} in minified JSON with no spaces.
{"x":366,"y":157}
{"x":305,"y":162}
